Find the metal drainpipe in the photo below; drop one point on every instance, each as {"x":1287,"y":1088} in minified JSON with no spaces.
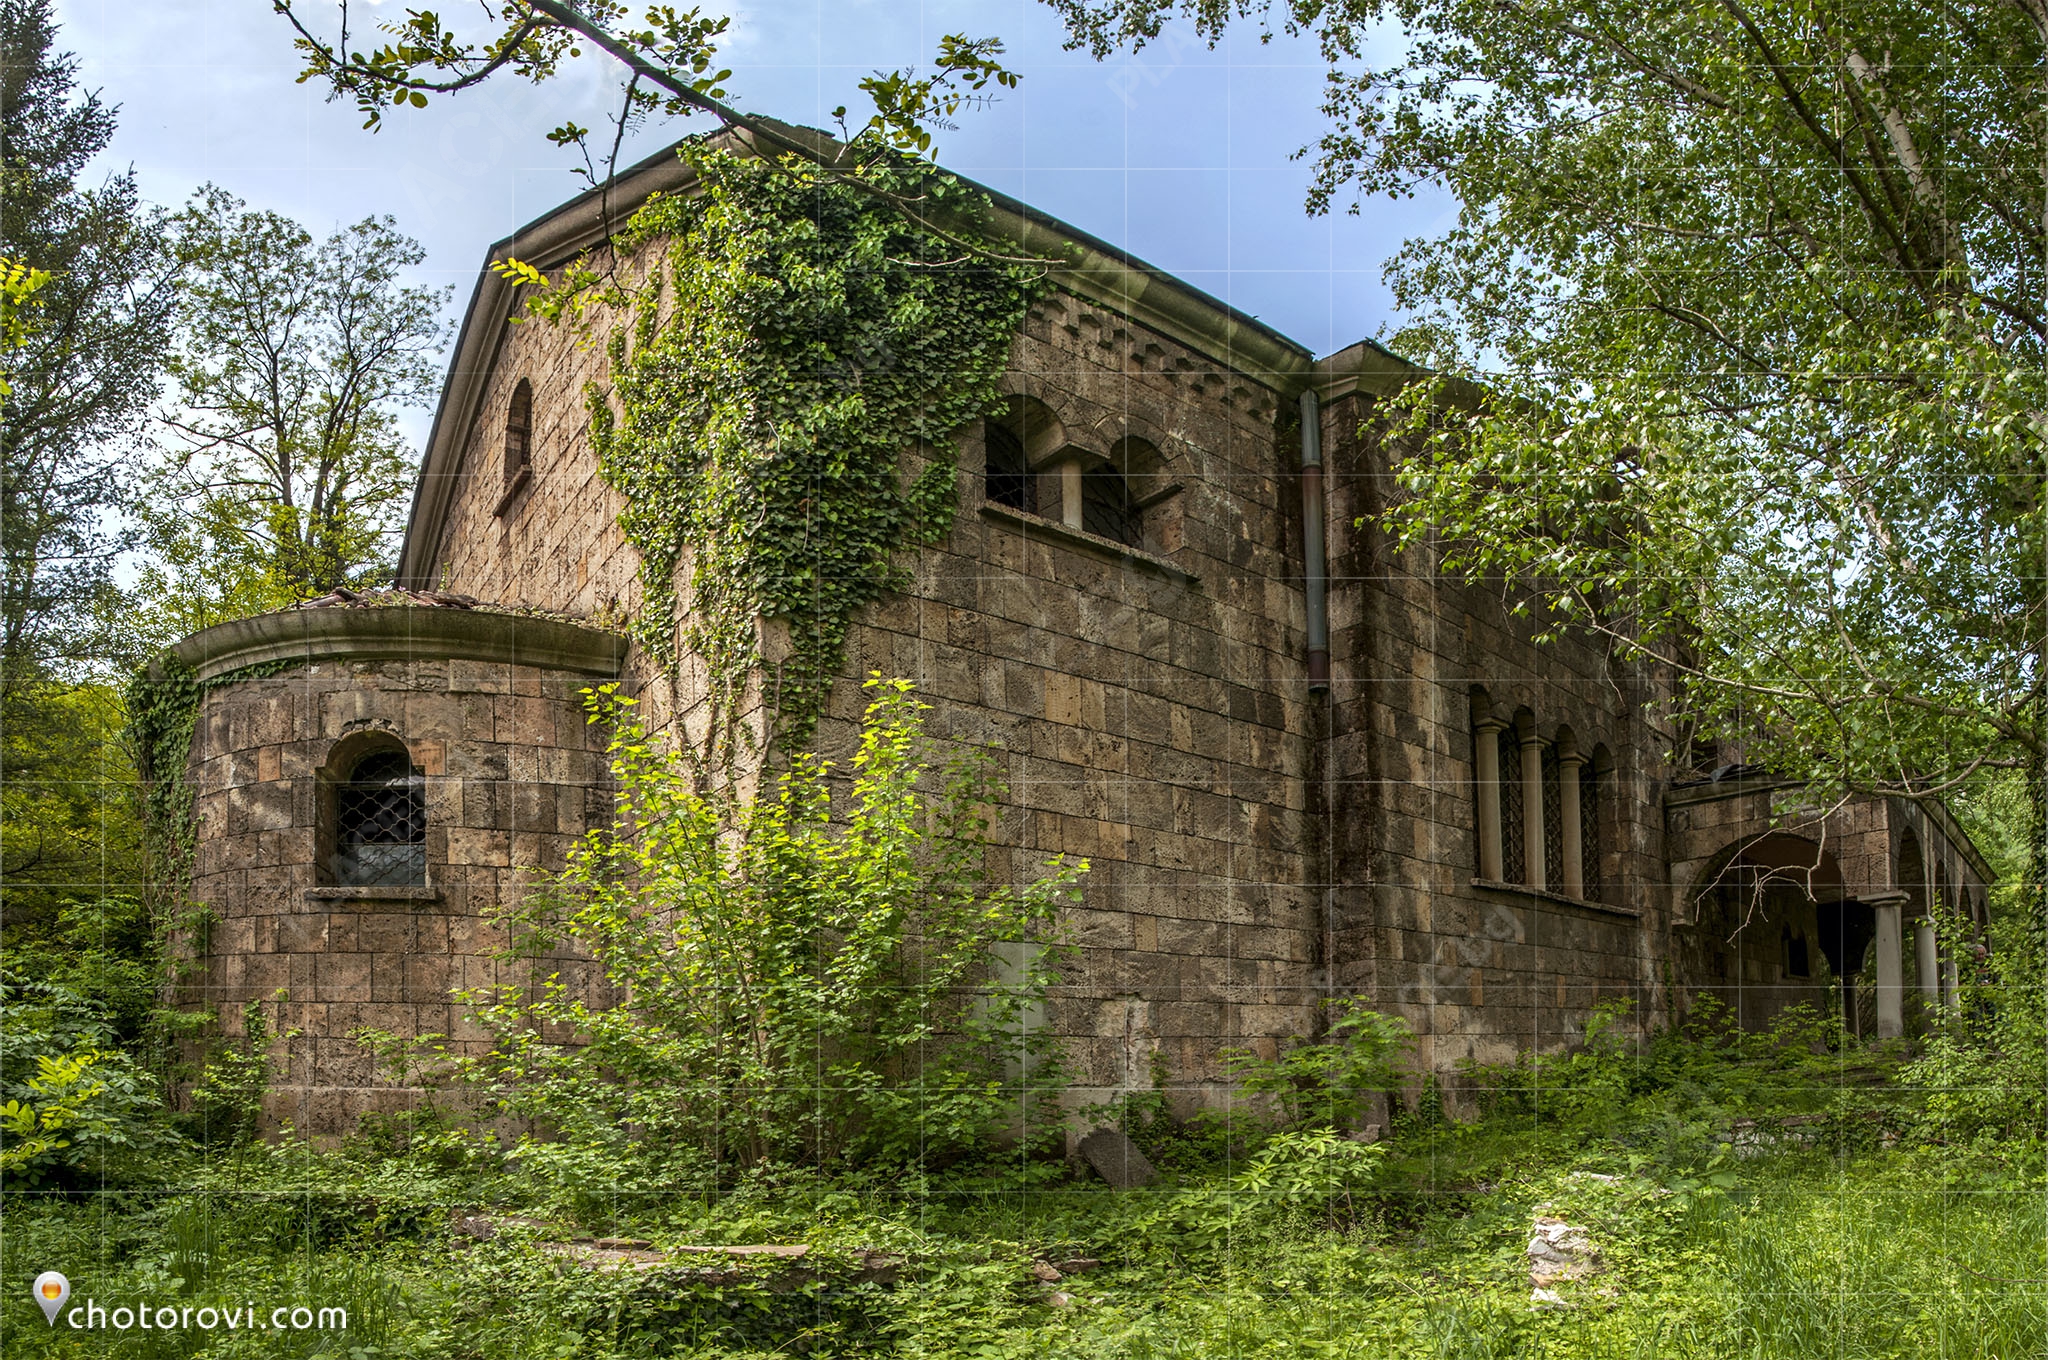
{"x":1315,"y":568}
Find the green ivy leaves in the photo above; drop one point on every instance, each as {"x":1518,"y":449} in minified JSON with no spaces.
{"x":795,"y":340}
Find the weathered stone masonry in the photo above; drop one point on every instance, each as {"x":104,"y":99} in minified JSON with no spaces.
{"x":1256,"y":846}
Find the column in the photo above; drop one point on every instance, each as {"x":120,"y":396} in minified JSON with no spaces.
{"x":1532,"y":809}
{"x":1568,"y":762}
{"x":1891,"y":982}
{"x":1926,"y":968}
{"x":1486,"y":787}
{"x":1951,"y":987}
{"x":1070,"y":493}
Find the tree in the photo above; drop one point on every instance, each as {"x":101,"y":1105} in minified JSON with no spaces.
{"x":1754,"y":292}
{"x":286,"y":471}
{"x":672,"y":66}
{"x":87,"y":370}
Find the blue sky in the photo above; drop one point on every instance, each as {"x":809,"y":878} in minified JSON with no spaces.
{"x":1181,"y":154}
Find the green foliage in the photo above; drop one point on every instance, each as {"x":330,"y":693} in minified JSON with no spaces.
{"x":72,"y":1102}
{"x":1312,"y":1245}
{"x":82,"y":377}
{"x":227,"y":1100}
{"x":283,"y":473}
{"x":69,"y":830}
{"x":1330,"y":1084}
{"x":163,"y":711}
{"x":795,"y":338}
{"x":1986,"y":1076}
{"x":1754,"y":342}
{"x":788,"y":985}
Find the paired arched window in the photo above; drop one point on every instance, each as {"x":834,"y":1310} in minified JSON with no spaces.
{"x":1029,"y":465}
{"x":1539,"y":805}
{"x":380,"y":821}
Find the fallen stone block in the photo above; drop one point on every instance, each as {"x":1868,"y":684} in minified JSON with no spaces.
{"x":1117,"y":1160}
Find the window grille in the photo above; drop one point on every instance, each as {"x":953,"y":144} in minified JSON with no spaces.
{"x":1006,"y":477}
{"x":1590,"y":848}
{"x":1513,"y":867}
{"x":1553,"y":821}
{"x":380,"y":822}
{"x":1106,"y":505}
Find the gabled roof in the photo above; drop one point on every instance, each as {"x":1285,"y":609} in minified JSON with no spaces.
{"x":1101,"y":273}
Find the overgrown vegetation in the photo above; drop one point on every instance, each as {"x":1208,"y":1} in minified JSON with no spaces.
{"x":793,"y":339}
{"x":1783,"y":1194}
{"x":783,"y":986}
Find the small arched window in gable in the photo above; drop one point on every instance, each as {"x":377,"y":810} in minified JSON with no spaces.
{"x":519,"y":433}
{"x":380,"y":823}
{"x":1106,"y":508}
{"x":1006,"y":476}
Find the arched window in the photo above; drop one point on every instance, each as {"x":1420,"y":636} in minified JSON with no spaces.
{"x":1592,"y":784}
{"x":1106,"y":505}
{"x":380,"y":823}
{"x":1514,"y":865}
{"x":519,"y":434}
{"x":1006,"y":476}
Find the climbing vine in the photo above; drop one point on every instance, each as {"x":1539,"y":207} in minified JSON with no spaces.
{"x":163,"y":702}
{"x":793,"y":340}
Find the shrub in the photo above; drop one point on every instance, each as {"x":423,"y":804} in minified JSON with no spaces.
{"x":71,"y":1101}
{"x":1330,"y":1083}
{"x":784,"y":988}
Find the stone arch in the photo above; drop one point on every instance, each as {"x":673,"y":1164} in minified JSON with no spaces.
{"x":1037,"y":427}
{"x":1770,"y":909}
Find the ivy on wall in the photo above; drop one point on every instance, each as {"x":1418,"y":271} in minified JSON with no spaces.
{"x":793,"y":340}
{"x":163,"y":703}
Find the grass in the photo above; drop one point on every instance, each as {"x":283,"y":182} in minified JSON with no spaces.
{"x":1863,"y":1230}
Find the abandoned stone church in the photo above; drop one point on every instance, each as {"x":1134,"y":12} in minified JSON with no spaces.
{"x":1301,"y":765}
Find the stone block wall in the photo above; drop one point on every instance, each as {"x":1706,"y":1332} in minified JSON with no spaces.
{"x":1480,"y":970}
{"x":1145,"y":702}
{"x":512,"y":777}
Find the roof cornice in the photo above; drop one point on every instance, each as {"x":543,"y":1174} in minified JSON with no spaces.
{"x":1096,"y":272}
{"x":402,"y":633}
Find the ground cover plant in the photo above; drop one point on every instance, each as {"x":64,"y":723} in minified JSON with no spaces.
{"x":1746,"y":1195}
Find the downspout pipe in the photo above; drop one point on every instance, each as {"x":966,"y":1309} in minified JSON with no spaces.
{"x":1315,"y":564}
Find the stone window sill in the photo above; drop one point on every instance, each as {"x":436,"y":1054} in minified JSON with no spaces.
{"x":1055,"y":532}
{"x":331,"y":893}
{"x":1545,"y":895}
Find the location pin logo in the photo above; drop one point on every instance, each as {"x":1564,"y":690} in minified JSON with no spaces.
{"x":51,"y":1290}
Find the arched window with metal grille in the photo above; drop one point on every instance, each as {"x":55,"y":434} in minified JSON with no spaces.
{"x":380,"y":823}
